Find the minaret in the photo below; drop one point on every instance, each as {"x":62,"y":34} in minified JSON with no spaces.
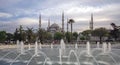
{"x":67,"y":25}
{"x":48,"y":24}
{"x":91,"y":22}
{"x":40,"y":21}
{"x":63,"y":22}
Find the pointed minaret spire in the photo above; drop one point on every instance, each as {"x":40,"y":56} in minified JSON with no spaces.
{"x":63,"y":22}
{"x":91,"y":22}
{"x":39,"y":21}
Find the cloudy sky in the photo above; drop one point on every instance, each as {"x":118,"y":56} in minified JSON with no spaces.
{"x":26,"y":12}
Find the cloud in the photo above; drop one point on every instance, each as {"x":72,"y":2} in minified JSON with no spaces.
{"x":11,"y":25}
{"x":5,"y":15}
{"x":26,"y":13}
{"x":8,"y":3}
{"x":26,"y":21}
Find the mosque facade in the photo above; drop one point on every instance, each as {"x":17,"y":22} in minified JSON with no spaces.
{"x":53,"y":28}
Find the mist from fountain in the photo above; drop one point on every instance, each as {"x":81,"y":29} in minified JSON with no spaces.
{"x":98,"y":45}
{"x":75,"y":54}
{"x":46,"y":61}
{"x":30,"y":59}
{"x":18,"y":45}
{"x":36,"y":49}
{"x":51,"y":46}
{"x":60,"y":56}
{"x":18,"y":56}
{"x":88,"y":48}
{"x":105,"y":61}
{"x":40,"y":45}
{"x":76,"y":46}
{"x":62,"y":44}
{"x":104,"y":47}
{"x":62,"y":47}
{"x":22,"y":47}
{"x":29,"y":47}
{"x":80,"y":55}
{"x":109,"y":47}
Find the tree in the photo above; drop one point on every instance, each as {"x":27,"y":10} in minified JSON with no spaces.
{"x":48,"y":36}
{"x":2,"y":36}
{"x":82,"y":38}
{"x":100,"y":32}
{"x":58,"y":36}
{"x":9,"y":37}
{"x":30,"y":35}
{"x":41,"y":35}
{"x":71,"y":21}
{"x":16,"y":35}
{"x":115,"y":33}
{"x":67,"y":35}
{"x":75,"y":35}
{"x":86,"y":34}
{"x":22,"y":34}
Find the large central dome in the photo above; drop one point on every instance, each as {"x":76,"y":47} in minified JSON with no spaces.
{"x":54,"y":28}
{"x":54,"y":25}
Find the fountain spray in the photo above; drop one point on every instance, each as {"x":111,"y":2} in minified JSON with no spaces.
{"x":29,"y":48}
{"x":36,"y":48}
{"x":62,"y":46}
{"x":98,"y":45}
{"x":51,"y":46}
{"x":88,"y":48}
{"x":76,"y":46}
{"x":22,"y":47}
{"x":109,"y":47}
{"x":18,"y":45}
{"x":104,"y":47}
{"x":60,"y":56}
{"x":40,"y":46}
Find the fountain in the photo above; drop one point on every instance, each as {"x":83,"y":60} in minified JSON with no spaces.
{"x":51,"y":46}
{"x":22,"y":47}
{"x":29,"y":48}
{"x":61,"y":54}
{"x":104,"y":47}
{"x":98,"y":45}
{"x":109,"y":47}
{"x":62,"y":47}
{"x":40,"y":45}
{"x":18,"y":44}
{"x":76,"y":46}
{"x":62,"y":44}
{"x":88,"y":48}
{"x":36,"y":48}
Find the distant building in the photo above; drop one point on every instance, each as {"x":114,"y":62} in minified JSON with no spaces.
{"x":54,"y":28}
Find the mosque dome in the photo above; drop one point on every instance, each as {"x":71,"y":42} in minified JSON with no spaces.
{"x":54,"y":25}
{"x":54,"y":28}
